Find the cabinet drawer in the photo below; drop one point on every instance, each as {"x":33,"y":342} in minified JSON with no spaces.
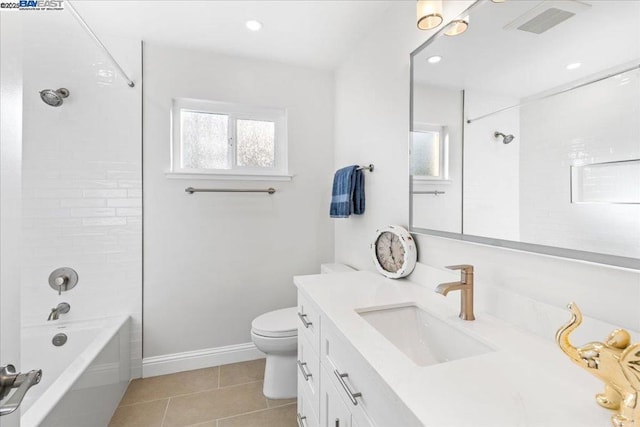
{"x":309,"y":321}
{"x":369,"y":400}
{"x":333,"y":411}
{"x":307,"y":414}
{"x":309,"y":372}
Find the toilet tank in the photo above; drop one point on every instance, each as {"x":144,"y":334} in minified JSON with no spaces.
{"x":335,"y":268}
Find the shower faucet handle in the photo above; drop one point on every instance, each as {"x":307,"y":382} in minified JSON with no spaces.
{"x":63,"y":279}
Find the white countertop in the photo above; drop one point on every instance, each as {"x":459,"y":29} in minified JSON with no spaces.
{"x":527,"y":381}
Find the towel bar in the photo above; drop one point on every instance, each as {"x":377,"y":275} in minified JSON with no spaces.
{"x":436,"y":192}
{"x":192,"y":190}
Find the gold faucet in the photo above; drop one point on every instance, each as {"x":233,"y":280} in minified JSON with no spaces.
{"x":465,"y":285}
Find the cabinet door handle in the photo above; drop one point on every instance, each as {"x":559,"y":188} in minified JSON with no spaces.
{"x":345,"y":386}
{"x":337,"y":422}
{"x":303,"y":318}
{"x":302,"y":420}
{"x":304,"y":372}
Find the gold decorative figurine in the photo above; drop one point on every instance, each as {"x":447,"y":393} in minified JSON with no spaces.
{"x":616,"y":362}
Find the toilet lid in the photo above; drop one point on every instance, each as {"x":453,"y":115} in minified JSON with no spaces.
{"x":278,"y":323}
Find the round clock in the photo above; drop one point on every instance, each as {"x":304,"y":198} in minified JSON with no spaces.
{"x":394,"y":251}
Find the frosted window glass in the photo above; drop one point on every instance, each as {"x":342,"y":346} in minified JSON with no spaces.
{"x":205,"y":140}
{"x":425,"y":154}
{"x":256,"y":143}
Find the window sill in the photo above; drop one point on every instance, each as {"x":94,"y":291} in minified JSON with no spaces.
{"x":227,"y":177}
{"x":430,"y":181}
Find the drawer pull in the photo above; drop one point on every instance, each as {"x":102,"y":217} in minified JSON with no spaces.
{"x":352,"y":395}
{"x":304,"y":372}
{"x":305,"y":322}
{"x":301,"y":420}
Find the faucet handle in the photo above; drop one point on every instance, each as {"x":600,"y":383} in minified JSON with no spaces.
{"x":466,"y":268}
{"x":466,"y":272}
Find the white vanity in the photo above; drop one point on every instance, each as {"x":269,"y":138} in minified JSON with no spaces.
{"x":390,"y":353}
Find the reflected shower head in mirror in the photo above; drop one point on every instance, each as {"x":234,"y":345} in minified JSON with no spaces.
{"x":54,"y":98}
{"x":505,"y":138}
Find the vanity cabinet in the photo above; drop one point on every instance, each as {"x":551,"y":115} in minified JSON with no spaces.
{"x":343,"y":390}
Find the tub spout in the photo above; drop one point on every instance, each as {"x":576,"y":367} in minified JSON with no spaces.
{"x":61,"y":308}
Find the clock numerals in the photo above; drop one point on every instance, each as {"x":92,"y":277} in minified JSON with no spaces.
{"x":394,"y":252}
{"x":390,"y":252}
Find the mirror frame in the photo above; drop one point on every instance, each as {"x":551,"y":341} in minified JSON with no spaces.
{"x":574,"y":254}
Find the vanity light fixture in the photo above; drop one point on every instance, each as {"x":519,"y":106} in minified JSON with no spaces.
{"x":254,"y":25}
{"x":434,"y":59}
{"x":574,"y":66}
{"x":429,"y":14}
{"x":457,"y":27}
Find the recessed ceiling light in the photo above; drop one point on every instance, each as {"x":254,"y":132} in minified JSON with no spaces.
{"x":434,"y":59}
{"x":574,"y":66}
{"x":254,"y":25}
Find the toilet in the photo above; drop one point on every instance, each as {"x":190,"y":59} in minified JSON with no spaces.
{"x":276,"y":335}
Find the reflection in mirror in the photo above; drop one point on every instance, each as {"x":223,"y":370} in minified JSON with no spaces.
{"x":436,"y":158}
{"x":547,"y":96}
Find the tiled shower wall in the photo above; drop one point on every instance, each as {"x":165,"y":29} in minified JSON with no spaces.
{"x":82,"y":181}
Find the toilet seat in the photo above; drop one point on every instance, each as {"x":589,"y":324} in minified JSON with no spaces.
{"x":276,"y":324}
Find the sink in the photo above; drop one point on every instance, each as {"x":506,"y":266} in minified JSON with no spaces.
{"x":422,"y":337}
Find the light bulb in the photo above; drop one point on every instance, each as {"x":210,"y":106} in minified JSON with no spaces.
{"x":429,"y":14}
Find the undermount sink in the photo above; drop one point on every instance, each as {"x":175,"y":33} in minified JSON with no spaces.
{"x":423,"y":338}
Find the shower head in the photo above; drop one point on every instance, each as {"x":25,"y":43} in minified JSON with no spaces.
{"x":505,"y":138}
{"x":54,"y":97}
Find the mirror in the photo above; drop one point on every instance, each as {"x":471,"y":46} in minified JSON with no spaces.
{"x":525,"y":129}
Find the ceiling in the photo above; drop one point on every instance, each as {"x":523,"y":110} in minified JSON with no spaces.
{"x":493,"y":59}
{"x":315,"y":33}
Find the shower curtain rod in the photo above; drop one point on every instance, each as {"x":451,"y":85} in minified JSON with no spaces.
{"x":569,"y":89}
{"x":99,"y":43}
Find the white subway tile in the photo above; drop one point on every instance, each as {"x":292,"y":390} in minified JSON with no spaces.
{"x":105,"y":193}
{"x":105,"y":222}
{"x":83,"y":203}
{"x":130,"y":183}
{"x":57,"y":193}
{"x":129,"y":212}
{"x":125,"y":203}
{"x":92,"y":212}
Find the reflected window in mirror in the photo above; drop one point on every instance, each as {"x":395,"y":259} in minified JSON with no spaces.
{"x":429,"y":153}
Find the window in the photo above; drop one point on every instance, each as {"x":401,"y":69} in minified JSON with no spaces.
{"x":429,"y":152}
{"x":228,"y":139}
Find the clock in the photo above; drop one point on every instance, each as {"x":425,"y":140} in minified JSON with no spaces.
{"x":394,"y":251}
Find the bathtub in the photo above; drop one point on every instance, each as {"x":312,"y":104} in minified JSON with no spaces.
{"x":82,"y":380}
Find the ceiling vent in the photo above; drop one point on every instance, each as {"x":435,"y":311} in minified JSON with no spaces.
{"x":547,"y":15}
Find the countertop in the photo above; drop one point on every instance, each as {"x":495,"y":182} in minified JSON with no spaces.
{"x":526,"y":381}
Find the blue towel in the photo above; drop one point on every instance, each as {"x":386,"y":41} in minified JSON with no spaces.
{"x":348,"y":193}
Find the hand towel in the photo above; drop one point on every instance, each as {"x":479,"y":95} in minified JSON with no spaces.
{"x":348,"y":193}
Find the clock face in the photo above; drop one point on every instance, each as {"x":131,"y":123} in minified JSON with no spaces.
{"x":390,"y":252}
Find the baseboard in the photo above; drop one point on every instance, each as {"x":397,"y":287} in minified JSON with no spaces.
{"x":189,"y":360}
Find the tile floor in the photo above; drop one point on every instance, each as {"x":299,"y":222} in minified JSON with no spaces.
{"x":222,"y":396}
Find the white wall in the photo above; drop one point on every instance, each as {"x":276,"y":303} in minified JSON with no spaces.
{"x":214,"y":261}
{"x":372,"y":110}
{"x":491,"y":168}
{"x":597,"y":123}
{"x":10,"y":195}
{"x":440,"y":106}
{"x":82,"y":189}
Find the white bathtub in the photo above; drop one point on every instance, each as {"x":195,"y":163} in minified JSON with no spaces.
{"x":82,"y":380}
